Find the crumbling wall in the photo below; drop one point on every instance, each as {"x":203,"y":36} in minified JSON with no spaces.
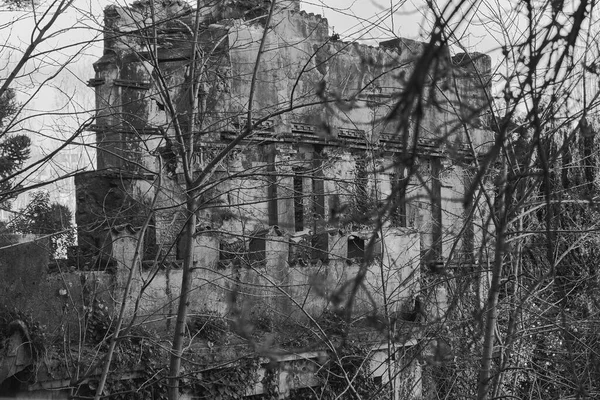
{"x":278,"y":192}
{"x":23,"y":272}
{"x":106,"y":200}
{"x":54,"y":300}
{"x":271,"y":287}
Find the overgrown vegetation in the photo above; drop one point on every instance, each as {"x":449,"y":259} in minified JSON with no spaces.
{"x":231,"y":382}
{"x":11,"y":320}
{"x":46,"y":218}
{"x":210,"y":326}
{"x":346,"y":375}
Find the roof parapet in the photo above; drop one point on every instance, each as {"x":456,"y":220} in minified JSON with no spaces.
{"x":291,"y":5}
{"x":474,"y":62}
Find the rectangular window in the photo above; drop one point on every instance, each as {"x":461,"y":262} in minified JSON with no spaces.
{"x":356,"y":248}
{"x":298,"y":200}
{"x":318,"y":190}
{"x":361,"y":180}
{"x":307,"y":249}
{"x":436,"y":209}
{"x":150,"y":245}
{"x":272,"y":192}
{"x":231,"y":253}
{"x":257,"y":251}
{"x":226,"y":255}
{"x":399,"y":209}
{"x":320,"y":246}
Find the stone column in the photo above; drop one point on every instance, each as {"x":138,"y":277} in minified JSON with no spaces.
{"x":124,"y":240}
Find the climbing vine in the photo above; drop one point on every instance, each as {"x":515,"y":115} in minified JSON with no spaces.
{"x":210,"y":326}
{"x":232,"y":382}
{"x":345,"y":376}
{"x":11,"y":320}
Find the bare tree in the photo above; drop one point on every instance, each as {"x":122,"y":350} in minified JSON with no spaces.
{"x":191,"y":117}
{"x":38,"y":50}
{"x":486,"y":177}
{"x":542,"y":110}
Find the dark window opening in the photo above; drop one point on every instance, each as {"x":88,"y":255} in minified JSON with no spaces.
{"x":257,"y":251}
{"x":318,"y":198}
{"x":300,"y":252}
{"x":272,"y":193}
{"x":298,"y":201}
{"x":150,"y":245}
{"x":361,"y":182}
{"x":309,"y":249}
{"x":320,"y":247}
{"x":356,"y":248}
{"x":231,"y":254}
{"x":318,"y":190}
{"x":94,"y":253}
{"x":398,"y":214}
{"x":435,"y":253}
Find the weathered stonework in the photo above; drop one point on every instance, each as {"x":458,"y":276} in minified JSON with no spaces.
{"x":297,"y":199}
{"x":285,"y":222}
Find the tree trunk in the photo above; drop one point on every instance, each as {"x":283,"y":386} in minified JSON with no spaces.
{"x":492,"y":300}
{"x":182,"y":310}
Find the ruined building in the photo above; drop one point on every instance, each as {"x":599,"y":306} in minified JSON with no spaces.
{"x":325,"y":204}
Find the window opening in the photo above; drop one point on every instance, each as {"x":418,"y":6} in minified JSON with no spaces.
{"x":150,"y":245}
{"x":361,"y":183}
{"x":436,"y":209}
{"x":298,"y":200}
{"x":399,"y":188}
{"x":272,"y":192}
{"x":318,"y":189}
{"x":231,"y":253}
{"x":257,"y":250}
{"x":320,"y":246}
{"x":356,"y":248}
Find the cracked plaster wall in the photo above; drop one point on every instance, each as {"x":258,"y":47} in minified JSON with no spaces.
{"x":298,"y":66}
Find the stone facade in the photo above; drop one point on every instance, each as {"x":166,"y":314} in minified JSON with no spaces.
{"x":293,"y":212}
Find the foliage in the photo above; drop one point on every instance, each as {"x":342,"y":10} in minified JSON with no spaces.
{"x":17,"y":4}
{"x":334,"y":322}
{"x":42,"y":217}
{"x":99,"y":323}
{"x":8,"y":105}
{"x":345,"y":375}
{"x":247,"y":9}
{"x":270,"y":383}
{"x":559,"y":346}
{"x":209,"y":325}
{"x":37,"y":332}
{"x":128,"y":389}
{"x":561,"y":285}
{"x":137,"y":356}
{"x":14,"y":151}
{"x":232,"y":382}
